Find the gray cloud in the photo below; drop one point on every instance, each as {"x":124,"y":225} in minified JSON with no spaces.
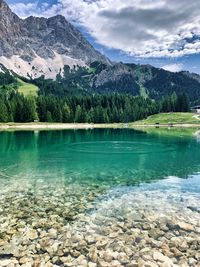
{"x":143,"y":28}
{"x":155,"y":18}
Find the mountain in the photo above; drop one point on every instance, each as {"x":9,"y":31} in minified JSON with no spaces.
{"x":35,"y":47}
{"x":147,"y":80}
{"x":39,"y":46}
{"x":133,"y":79}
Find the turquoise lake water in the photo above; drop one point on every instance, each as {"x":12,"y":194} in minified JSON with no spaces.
{"x":114,"y":157}
{"x":99,"y":157}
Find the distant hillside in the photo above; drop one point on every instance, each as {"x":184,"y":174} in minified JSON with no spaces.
{"x":146,"y":80}
{"x":143,"y":80}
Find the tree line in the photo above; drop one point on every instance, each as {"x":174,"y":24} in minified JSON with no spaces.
{"x":107,"y":108}
{"x":6,"y":78}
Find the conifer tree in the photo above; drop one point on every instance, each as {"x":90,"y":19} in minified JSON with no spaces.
{"x":3,"y":112}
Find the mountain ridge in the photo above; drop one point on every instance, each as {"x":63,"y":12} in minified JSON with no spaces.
{"x":26,"y":43}
{"x":55,"y":49}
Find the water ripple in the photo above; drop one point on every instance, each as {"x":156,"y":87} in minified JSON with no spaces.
{"x":116,"y":147}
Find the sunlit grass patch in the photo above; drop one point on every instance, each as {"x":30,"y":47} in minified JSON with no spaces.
{"x":27,"y":89}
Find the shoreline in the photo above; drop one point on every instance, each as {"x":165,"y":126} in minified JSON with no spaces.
{"x":79,"y":126}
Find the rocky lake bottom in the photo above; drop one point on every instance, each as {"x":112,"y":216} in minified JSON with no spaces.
{"x":44,"y":225}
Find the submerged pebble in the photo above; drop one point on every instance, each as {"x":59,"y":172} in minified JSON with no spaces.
{"x":69,"y":225}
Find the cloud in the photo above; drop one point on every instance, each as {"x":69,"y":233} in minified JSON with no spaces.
{"x":173,"y":67}
{"x":142,"y":28}
{"x":34,"y":9}
{"x":24,"y":10}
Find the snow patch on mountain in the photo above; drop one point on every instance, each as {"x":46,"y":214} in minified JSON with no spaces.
{"x":39,"y":66}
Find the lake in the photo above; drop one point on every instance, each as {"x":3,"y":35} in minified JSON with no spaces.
{"x":102,"y":197}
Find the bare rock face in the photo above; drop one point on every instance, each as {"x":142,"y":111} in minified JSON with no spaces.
{"x":10,"y":30}
{"x":56,"y":34}
{"x":26,"y":44}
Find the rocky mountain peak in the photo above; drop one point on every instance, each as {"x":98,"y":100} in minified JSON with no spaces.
{"x":3,"y":5}
{"x":39,"y":46}
{"x":6,"y":14}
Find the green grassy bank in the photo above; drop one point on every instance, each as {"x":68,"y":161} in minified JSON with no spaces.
{"x":170,"y":118}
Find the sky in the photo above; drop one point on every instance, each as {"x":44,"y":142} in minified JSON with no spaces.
{"x":163,"y":33}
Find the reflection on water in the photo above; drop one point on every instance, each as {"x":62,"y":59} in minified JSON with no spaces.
{"x":110,"y":157}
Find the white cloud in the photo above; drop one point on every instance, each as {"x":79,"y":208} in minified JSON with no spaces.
{"x":33,"y":9}
{"x":24,"y":10}
{"x":173,"y":67}
{"x":143,"y":28}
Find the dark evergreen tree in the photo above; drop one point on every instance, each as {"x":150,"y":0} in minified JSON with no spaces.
{"x":49,"y":116}
{"x":182,"y":103}
{"x":4,"y":117}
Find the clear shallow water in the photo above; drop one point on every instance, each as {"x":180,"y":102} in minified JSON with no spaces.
{"x":110,"y":164}
{"x":99,"y":198}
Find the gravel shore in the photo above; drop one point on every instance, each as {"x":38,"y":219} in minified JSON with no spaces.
{"x":79,"y":126}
